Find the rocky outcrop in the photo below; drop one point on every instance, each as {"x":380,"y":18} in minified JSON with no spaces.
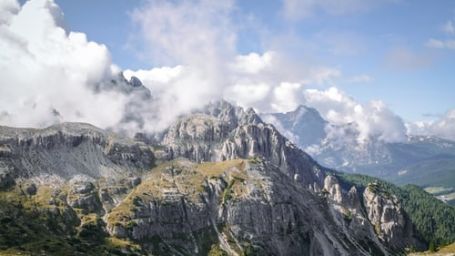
{"x":239,"y":205}
{"x":385,"y":213}
{"x":373,"y":213}
{"x":243,"y":189}
{"x":82,"y":195}
{"x":70,"y":149}
{"x":222,"y":132}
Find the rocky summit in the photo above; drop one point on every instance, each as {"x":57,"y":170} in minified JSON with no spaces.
{"x":219,"y":181}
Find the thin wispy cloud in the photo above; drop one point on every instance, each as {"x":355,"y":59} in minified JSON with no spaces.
{"x":447,"y":43}
{"x":300,"y":9}
{"x":449,"y":27}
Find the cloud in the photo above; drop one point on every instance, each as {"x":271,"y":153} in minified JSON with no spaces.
{"x":48,"y":73}
{"x":287,"y":96}
{"x":266,"y":82}
{"x":443,"y":127}
{"x":51,"y":74}
{"x":210,"y":66}
{"x":190,"y":33}
{"x":371,"y":119}
{"x":441,"y":44}
{"x":194,"y":42}
{"x":298,"y":9}
{"x":8,"y":8}
{"x":448,"y":28}
{"x":253,"y":62}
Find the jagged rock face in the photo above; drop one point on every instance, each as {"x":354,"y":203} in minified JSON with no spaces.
{"x":82,"y":195}
{"x":346,"y":209}
{"x":240,"y":205}
{"x":388,"y":218}
{"x":261,"y":194}
{"x":67,"y":150}
{"x":374,"y":213}
{"x":222,"y":132}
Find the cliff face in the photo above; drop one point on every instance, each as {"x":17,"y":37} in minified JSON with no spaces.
{"x":243,"y":189}
{"x":224,"y":132}
{"x":388,"y":217}
{"x":372,"y":213}
{"x":239,"y":206}
{"x":68,"y":150}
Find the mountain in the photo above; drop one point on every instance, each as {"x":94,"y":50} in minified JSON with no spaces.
{"x":219,"y":181}
{"x":304,"y":126}
{"x":421,"y":160}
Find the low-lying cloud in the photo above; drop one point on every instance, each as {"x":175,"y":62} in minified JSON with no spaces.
{"x":51,"y":74}
{"x":442,"y":127}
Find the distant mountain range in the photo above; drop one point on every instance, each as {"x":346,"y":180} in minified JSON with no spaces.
{"x":421,"y":160}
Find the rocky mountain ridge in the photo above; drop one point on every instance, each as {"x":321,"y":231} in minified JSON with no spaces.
{"x":244,"y":189}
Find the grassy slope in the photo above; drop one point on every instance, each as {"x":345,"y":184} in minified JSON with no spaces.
{"x":29,"y":225}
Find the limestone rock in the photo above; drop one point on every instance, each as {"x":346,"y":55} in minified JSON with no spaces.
{"x":71,"y":149}
{"x":83,"y":195}
{"x":223,"y":132}
{"x":385,"y":213}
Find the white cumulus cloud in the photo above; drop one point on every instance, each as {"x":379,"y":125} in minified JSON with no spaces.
{"x":51,"y":74}
{"x":48,"y":73}
{"x":371,"y":119}
{"x":444,"y":127}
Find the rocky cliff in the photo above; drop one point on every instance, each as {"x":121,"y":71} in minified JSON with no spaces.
{"x":68,"y":150}
{"x":223,"y":132}
{"x":238,"y":206}
{"x":226,"y":184}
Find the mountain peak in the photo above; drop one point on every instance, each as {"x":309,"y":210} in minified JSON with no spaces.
{"x":304,"y":125}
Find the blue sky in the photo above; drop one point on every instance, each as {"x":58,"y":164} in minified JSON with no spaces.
{"x":385,"y":41}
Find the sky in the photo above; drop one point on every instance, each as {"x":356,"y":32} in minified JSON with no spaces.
{"x":381,"y":47}
{"x":385,"y":66}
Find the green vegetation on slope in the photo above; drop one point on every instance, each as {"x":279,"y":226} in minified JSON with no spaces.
{"x":431,"y":172}
{"x":433,"y":219}
{"x":448,"y":250}
{"x":30,"y":225}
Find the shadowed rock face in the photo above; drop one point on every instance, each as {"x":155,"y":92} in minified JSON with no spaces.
{"x":243,"y":189}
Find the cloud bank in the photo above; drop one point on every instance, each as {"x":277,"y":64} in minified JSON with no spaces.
{"x":442,"y":127}
{"x":51,"y":74}
{"x":48,"y":73}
